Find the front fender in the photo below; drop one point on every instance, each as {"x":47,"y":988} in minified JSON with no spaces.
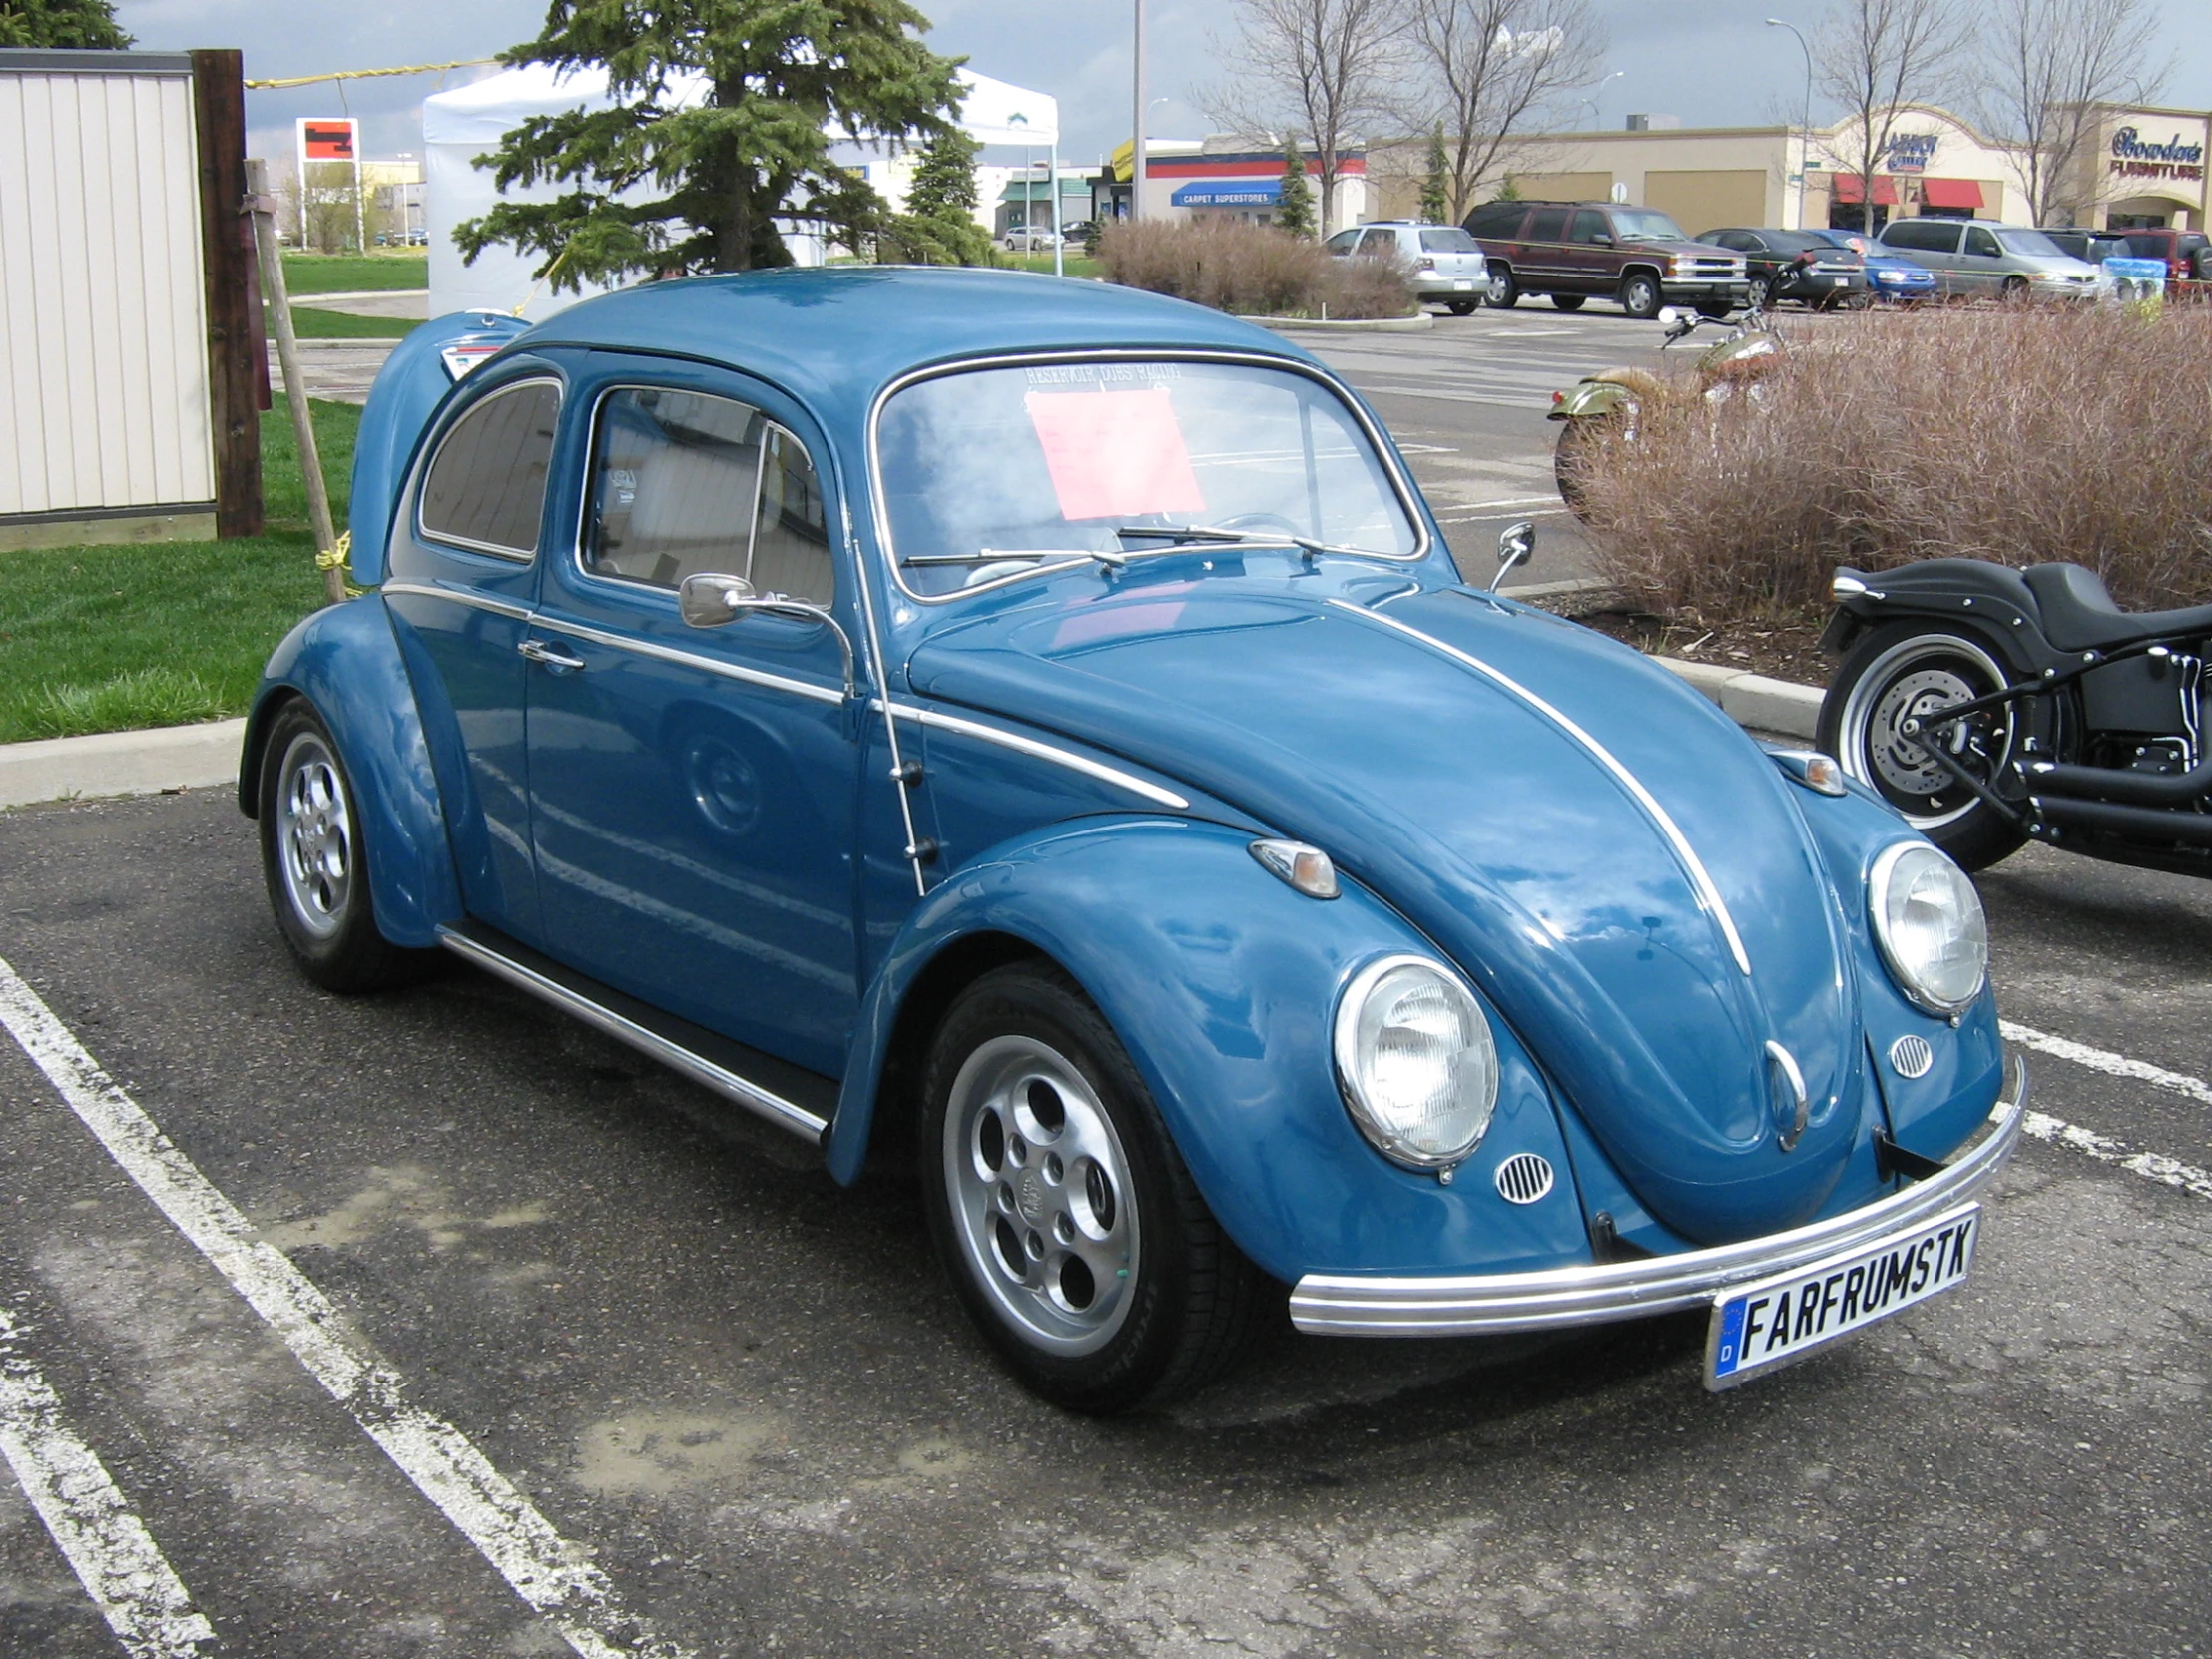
{"x":346,"y":662}
{"x":1222,"y":982}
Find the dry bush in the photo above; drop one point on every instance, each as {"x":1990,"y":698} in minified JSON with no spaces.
{"x":2022,"y":435}
{"x":1252,"y":269}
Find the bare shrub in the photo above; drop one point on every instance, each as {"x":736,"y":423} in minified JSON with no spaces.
{"x":1252,"y":269}
{"x":2022,"y":436}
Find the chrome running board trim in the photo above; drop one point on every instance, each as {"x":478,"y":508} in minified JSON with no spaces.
{"x":752,"y":1096}
{"x":1467,"y":1305}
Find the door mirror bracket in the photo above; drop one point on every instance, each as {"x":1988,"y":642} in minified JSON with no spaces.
{"x":712,"y":600}
{"x":1516,"y":547}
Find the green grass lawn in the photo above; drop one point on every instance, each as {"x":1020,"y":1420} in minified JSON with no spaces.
{"x":1079,"y":264}
{"x":306,"y":274}
{"x":313,"y":323}
{"x":106,"y":639}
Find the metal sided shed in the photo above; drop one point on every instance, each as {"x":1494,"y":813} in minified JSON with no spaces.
{"x":128,"y":399}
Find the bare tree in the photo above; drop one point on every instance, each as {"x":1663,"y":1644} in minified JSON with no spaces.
{"x":1491,"y":71}
{"x":1323,"y":67}
{"x":1876,"y":59}
{"x":2050,"y":64}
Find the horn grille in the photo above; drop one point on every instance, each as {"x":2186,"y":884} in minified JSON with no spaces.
{"x":1524,"y":1178}
{"x":1912,"y":1056}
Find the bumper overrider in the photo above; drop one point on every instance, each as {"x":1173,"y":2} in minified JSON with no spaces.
{"x":1561,"y":1298}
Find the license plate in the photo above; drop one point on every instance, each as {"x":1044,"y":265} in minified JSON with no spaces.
{"x":1759,"y":1327}
{"x":1463,"y":284}
{"x":1839,"y":282}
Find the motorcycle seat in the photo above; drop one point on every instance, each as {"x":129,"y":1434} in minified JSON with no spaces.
{"x":2078,"y":614}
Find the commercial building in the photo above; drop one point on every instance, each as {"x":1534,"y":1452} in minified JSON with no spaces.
{"x":1227,"y":175}
{"x":2138,"y":167}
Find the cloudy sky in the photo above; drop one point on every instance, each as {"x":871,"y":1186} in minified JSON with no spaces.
{"x":1711,"y":62}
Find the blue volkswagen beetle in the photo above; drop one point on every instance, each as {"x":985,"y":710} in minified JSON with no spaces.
{"x":1041,"y":724}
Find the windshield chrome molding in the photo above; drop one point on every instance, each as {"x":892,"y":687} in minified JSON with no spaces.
{"x":1709,"y":895}
{"x":1555,"y":1299}
{"x":1044,"y":751}
{"x":689,"y":659}
{"x":1409,"y":498}
{"x":459,"y":596}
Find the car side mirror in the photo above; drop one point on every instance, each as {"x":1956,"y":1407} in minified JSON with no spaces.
{"x":708,"y":600}
{"x":1601,"y":239}
{"x":1516,"y":547}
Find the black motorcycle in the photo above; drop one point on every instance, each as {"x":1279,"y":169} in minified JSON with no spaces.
{"x":1993,"y":707}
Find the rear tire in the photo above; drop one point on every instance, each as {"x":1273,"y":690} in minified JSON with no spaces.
{"x":1569,"y":302}
{"x":1571,"y":456}
{"x":1462,"y":308}
{"x":1640,"y":295}
{"x":1504,"y":291}
{"x":316,"y":865}
{"x":1912,"y":668}
{"x":1072,"y":1232}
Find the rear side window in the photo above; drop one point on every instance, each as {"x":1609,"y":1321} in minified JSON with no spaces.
{"x":1548,"y":224}
{"x":684,"y":483}
{"x":1379,"y":242}
{"x":486,"y":487}
{"x":1452,"y":240}
{"x":1495,"y":219}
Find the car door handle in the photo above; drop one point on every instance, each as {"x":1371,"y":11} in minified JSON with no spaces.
{"x":552,"y":656}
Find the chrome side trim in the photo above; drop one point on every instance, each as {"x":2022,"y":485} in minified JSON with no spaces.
{"x":687,"y":659}
{"x":762,"y":1102}
{"x":459,"y":596}
{"x":1709,"y":895}
{"x":1044,"y":751}
{"x":1410,"y":497}
{"x":1492,"y":1304}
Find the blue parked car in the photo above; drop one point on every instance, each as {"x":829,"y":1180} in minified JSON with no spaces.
{"x":1040,"y":723}
{"x":1890,"y":276}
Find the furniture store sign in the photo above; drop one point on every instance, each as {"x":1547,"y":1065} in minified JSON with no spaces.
{"x":2135,"y":157}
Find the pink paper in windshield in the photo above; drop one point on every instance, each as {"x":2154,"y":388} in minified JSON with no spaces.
{"x":1115,"y":454}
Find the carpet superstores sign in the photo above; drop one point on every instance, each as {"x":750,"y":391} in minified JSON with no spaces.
{"x":1248,"y":181}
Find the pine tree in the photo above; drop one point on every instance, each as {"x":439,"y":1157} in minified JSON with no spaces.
{"x":1435,"y":185}
{"x":87,"y":24}
{"x":1293,"y":210}
{"x":717,"y":173}
{"x":939,"y":225}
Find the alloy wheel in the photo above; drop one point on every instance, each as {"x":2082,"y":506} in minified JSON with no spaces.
{"x":315,"y":835}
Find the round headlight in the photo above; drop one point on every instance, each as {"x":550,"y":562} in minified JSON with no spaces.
{"x":1927,"y":920}
{"x":1416,"y":1061}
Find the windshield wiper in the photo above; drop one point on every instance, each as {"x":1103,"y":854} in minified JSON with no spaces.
{"x":1202,"y":535}
{"x":994,"y":556}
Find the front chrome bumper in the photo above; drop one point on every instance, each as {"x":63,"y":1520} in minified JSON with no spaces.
{"x":1559,"y":1297}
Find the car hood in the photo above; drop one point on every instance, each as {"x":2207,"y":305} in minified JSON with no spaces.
{"x":1574,"y":826}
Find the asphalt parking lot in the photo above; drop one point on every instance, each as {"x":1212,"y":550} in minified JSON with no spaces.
{"x":597,"y":1358}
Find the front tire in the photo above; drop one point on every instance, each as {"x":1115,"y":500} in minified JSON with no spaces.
{"x":1072,"y":1232}
{"x":313,"y":862}
{"x":1760,"y":295}
{"x":1640,"y":295}
{"x":1913,"y":668}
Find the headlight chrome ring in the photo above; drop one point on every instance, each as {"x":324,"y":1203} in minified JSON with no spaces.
{"x":1927,"y":920}
{"x":1416,"y":1061}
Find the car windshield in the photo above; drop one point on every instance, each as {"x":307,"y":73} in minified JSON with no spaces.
{"x":2032,"y":243}
{"x":990,"y":471}
{"x":1452,"y":240}
{"x":1645,"y":224}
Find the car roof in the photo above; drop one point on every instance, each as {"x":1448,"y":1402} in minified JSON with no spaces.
{"x":834,"y":335}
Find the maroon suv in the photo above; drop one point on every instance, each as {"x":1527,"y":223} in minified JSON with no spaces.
{"x":1571,"y":251}
{"x":2188,"y":254}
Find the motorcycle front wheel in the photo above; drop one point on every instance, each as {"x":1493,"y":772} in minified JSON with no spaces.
{"x":1910,"y":671}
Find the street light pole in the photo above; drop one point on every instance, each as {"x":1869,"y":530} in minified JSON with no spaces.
{"x":1597,"y":112}
{"x":1805,"y":127}
{"x":1136,"y":162}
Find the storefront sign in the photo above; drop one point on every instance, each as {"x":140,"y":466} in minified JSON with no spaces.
{"x":1911,"y":152}
{"x":2132,"y":158}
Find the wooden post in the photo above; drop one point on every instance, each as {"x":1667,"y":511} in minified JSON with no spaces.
{"x":234,"y":342}
{"x":264,"y":209}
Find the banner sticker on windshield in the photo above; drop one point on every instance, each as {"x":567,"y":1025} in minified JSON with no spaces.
{"x":1115,"y":454}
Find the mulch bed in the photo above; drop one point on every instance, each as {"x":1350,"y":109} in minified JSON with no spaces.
{"x":1782,"y":647}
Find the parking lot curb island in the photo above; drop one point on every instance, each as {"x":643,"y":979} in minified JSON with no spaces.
{"x":1370,"y":324}
{"x":121,"y":763}
{"x":1752,"y":700}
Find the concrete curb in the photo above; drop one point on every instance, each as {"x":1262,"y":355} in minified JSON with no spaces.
{"x":1372,"y":324}
{"x":174,"y":758}
{"x":1752,"y":700}
{"x":157,"y":762}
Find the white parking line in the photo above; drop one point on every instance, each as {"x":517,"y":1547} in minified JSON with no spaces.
{"x":2153,"y":1165}
{"x":547,"y":1571}
{"x":108,"y":1547}
{"x":2113,"y":1065}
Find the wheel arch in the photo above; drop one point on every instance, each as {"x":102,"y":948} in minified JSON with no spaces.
{"x":344,"y":662}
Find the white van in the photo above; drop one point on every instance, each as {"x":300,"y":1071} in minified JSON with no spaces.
{"x":1973,"y":256}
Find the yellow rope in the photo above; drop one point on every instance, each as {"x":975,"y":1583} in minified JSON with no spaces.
{"x":365,"y":74}
{"x":335,"y":558}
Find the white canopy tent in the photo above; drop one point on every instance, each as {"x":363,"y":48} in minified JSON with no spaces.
{"x":468,"y":122}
